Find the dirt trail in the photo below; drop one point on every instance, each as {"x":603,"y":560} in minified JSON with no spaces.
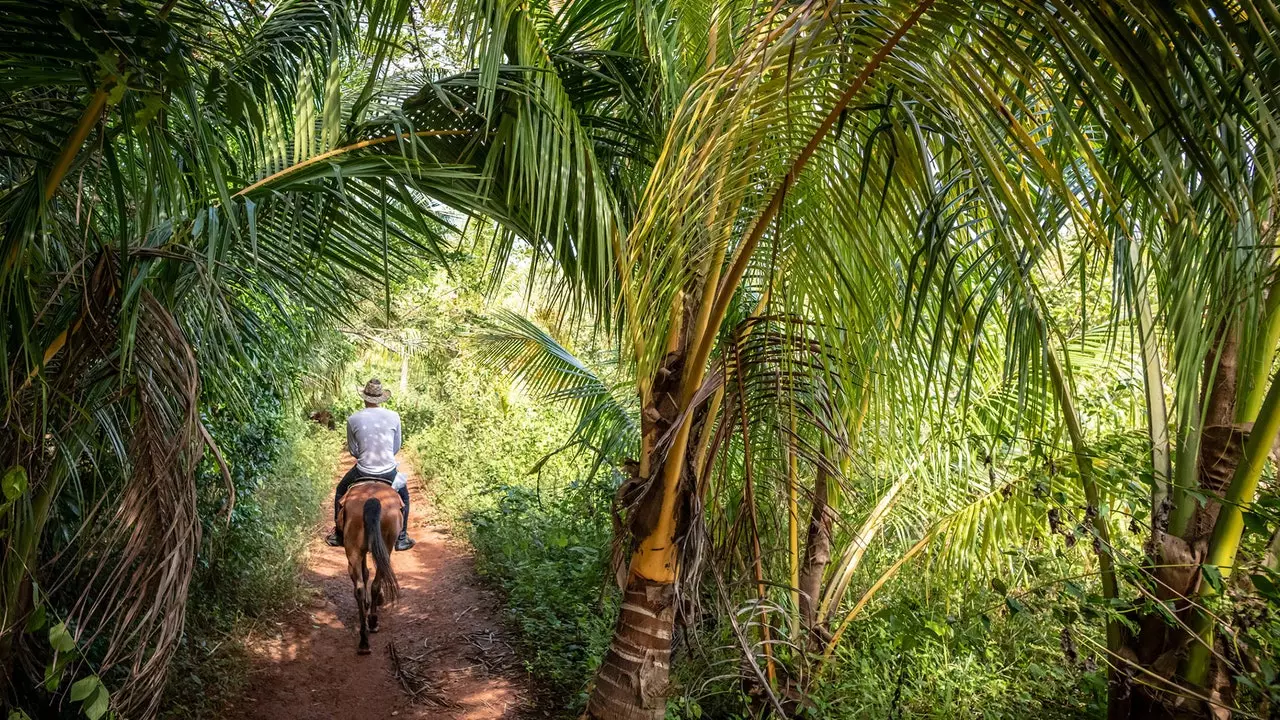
{"x":448,"y":639}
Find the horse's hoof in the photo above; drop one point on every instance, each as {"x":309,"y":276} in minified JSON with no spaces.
{"x":363,"y":651}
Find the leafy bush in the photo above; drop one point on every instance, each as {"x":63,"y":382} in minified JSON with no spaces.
{"x":552,"y":560}
{"x":930,"y":654}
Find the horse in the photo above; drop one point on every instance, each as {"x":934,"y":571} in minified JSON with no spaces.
{"x":370,"y":518}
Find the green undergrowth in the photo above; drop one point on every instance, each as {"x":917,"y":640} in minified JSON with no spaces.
{"x":978,"y":656}
{"x":251,"y":554}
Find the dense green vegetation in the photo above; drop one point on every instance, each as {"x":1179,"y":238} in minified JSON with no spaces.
{"x":815,"y":359}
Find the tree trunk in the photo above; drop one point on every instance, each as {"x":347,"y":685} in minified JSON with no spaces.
{"x":1176,"y":557}
{"x":632,"y":681}
{"x":817,"y":551}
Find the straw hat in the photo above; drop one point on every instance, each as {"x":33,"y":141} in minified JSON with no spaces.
{"x":374,"y":393}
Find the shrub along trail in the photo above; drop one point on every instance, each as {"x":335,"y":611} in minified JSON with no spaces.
{"x":451,"y":657}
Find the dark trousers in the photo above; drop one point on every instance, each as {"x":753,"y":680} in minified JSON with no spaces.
{"x":355,"y":475}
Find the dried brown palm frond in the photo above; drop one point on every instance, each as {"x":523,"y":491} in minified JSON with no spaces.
{"x":144,"y":552}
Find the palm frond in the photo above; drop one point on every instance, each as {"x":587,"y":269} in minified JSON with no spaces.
{"x":606,"y":419}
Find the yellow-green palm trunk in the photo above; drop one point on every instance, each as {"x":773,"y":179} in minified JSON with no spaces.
{"x":1257,"y":367}
{"x":1225,"y":541}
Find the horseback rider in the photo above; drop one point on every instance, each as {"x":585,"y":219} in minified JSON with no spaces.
{"x":373,"y":437}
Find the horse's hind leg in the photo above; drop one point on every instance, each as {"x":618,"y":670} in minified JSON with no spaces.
{"x":363,"y":649}
{"x":373,"y":608}
{"x":362,"y":605}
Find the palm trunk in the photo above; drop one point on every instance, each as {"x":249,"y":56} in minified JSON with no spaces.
{"x":817,"y":551}
{"x":1231,"y":452}
{"x":1229,"y":527}
{"x":632,"y":681}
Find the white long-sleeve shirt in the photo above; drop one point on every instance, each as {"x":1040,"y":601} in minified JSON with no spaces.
{"x":373,"y":437}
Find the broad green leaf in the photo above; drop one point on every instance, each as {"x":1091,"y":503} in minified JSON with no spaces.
{"x":61,"y":639}
{"x":99,"y":704}
{"x":1075,"y":590}
{"x":1267,"y":585}
{"x":53,"y":673}
{"x":84,"y":687}
{"x":1255,"y":523}
{"x":36,"y":619}
{"x":14,"y":483}
{"x":1213,"y":576}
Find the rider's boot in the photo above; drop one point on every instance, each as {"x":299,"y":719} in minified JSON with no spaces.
{"x":335,"y":538}
{"x":404,"y":542}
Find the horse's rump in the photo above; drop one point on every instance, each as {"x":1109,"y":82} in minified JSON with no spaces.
{"x":371,"y":519}
{"x":385,"y":584}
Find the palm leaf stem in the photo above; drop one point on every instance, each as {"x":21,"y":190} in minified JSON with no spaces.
{"x":885,"y":577}
{"x":89,"y":118}
{"x":1153,"y":385}
{"x":708,"y":431}
{"x":1084,"y":465}
{"x":742,"y":255}
{"x":852,"y":557}
{"x":793,"y":519}
{"x":346,"y":149}
{"x":1227,"y":531}
{"x":1257,"y":368}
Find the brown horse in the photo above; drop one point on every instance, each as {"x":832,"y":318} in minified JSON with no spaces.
{"x":370,"y":519}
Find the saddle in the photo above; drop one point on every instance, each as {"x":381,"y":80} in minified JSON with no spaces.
{"x":364,"y":480}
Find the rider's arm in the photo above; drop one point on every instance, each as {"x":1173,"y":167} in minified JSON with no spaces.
{"x":352,"y":445}
{"x":398,"y":436}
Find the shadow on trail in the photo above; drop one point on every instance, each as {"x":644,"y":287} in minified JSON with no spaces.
{"x":451,"y":658}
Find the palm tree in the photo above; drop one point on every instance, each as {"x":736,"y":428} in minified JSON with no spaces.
{"x":902,"y":180}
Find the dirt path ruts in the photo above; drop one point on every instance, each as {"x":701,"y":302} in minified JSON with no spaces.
{"x":448,"y":639}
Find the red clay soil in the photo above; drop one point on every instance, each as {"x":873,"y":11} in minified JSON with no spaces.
{"x":451,"y":658}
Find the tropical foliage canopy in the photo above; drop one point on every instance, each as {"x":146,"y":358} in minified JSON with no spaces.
{"x":950,"y":277}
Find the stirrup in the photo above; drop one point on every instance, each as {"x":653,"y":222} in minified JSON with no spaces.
{"x":334,"y":539}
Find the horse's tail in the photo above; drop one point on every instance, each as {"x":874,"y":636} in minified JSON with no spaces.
{"x":385,"y":582}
